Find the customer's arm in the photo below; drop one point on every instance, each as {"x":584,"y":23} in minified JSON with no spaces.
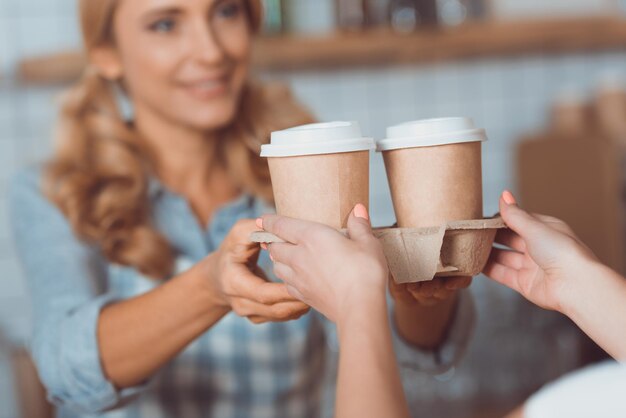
{"x":369,"y":383}
{"x":345,"y":279}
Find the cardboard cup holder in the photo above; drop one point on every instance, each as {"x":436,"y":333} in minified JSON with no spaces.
{"x":459,"y":248}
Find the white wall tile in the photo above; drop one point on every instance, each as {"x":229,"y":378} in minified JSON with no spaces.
{"x":8,"y":49}
{"x":9,"y":160}
{"x":5,"y":228}
{"x":36,"y":35}
{"x":5,"y":9}
{"x":68,"y":32}
{"x":37,"y":112}
{"x":35,"y":7}
{"x":66,"y":8}
{"x":8,"y":113}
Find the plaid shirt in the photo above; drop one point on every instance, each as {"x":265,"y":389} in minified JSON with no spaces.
{"x":235,"y":369}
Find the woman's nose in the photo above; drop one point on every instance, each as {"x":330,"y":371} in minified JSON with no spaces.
{"x":206,"y":45}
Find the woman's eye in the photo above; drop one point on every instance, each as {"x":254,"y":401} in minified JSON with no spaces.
{"x":229,"y":10}
{"x":163,"y":26}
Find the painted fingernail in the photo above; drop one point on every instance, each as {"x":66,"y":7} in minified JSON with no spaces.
{"x":360,"y":211}
{"x":508,"y":198}
{"x":259,"y":223}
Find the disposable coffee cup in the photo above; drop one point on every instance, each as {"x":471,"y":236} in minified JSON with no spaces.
{"x":434,"y":171}
{"x":319,"y":171}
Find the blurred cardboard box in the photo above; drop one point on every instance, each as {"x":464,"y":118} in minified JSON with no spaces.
{"x":575,"y":171}
{"x":579,"y":180}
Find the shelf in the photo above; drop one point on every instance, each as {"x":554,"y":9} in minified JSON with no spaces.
{"x":58,"y":68}
{"x":385,"y":48}
{"x":467,"y":42}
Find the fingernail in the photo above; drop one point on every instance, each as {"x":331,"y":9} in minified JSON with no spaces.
{"x":360,"y":211}
{"x":259,"y":223}
{"x":508,"y":198}
{"x":264,"y":246}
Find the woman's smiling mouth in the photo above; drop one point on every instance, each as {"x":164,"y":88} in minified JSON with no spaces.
{"x":207,"y":88}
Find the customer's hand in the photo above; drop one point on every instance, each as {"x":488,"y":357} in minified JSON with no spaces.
{"x":547,"y":259}
{"x":333,"y":274}
{"x":241,"y":285}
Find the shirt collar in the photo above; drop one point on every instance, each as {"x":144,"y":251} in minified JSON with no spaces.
{"x":242,"y":204}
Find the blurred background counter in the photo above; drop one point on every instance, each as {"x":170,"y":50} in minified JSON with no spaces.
{"x":546,"y":79}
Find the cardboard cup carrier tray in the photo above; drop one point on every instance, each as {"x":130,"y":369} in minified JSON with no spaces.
{"x":459,"y":248}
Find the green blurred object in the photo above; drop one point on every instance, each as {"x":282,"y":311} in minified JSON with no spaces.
{"x":274,"y":22}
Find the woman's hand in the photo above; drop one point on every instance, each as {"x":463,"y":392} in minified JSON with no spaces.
{"x":333,"y":274}
{"x":241,"y":285}
{"x":547,"y":259}
{"x":428,"y":294}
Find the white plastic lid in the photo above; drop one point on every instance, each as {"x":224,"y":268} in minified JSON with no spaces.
{"x":431,"y":132}
{"x":317,"y":138}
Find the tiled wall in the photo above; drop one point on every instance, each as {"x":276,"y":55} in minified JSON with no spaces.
{"x":507,"y":97}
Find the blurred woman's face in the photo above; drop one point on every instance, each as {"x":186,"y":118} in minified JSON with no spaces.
{"x":185,"y":61}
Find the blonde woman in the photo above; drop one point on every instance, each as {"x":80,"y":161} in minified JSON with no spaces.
{"x":149,"y":299}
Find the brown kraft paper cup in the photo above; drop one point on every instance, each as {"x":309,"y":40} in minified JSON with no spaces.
{"x":433,"y":185}
{"x":321,"y":188}
{"x":320,"y":171}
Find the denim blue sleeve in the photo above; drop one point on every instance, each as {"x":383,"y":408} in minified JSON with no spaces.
{"x":434,"y":362}
{"x":67,"y":280}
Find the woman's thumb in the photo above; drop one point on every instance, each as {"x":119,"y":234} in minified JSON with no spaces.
{"x":359,"y":226}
